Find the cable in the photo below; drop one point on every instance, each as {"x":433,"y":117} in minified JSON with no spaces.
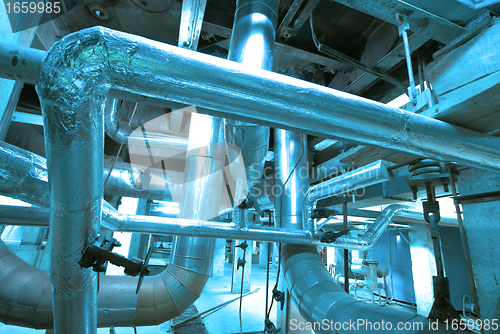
{"x":277,"y":280}
{"x":242,"y":263}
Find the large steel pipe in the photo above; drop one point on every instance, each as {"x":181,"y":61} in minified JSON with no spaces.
{"x":228,"y":89}
{"x":252,"y":44}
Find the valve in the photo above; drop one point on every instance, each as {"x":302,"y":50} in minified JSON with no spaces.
{"x":99,"y":252}
{"x":242,"y":261}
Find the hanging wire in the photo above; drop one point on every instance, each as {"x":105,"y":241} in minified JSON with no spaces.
{"x":277,"y":281}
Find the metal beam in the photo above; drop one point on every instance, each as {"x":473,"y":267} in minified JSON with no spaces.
{"x":191,"y":21}
{"x":421,"y":21}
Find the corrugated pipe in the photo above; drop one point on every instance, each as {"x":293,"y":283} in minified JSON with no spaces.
{"x":330,"y":309}
{"x":252,"y":44}
{"x":228,"y":89}
{"x":118,"y":133}
{"x":374,"y":173}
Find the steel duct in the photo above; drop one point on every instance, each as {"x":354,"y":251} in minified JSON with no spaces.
{"x":228,"y":89}
{"x":320,"y":300}
{"x":252,"y":44}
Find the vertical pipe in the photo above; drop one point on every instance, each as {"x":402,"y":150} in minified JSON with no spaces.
{"x":290,"y":159}
{"x":200,"y":197}
{"x":75,"y":163}
{"x":252,"y":44}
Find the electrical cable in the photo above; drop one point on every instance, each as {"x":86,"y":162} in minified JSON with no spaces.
{"x":277,"y":280}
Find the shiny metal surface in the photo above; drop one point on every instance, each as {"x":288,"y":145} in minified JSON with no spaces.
{"x":133,"y":183}
{"x":319,"y":298}
{"x":23,"y":175}
{"x":252,"y":44}
{"x":264,"y":97}
{"x":292,"y":177}
{"x":191,"y":22}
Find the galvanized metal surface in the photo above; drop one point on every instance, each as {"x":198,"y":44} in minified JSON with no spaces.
{"x":252,"y":44}
{"x":324,"y":299}
{"x":264,"y":97}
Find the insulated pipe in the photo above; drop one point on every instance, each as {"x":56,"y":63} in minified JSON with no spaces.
{"x":321,"y":301}
{"x":228,"y":89}
{"x":374,"y":173}
{"x":24,"y":176}
{"x":252,"y":44}
{"x":118,"y":222}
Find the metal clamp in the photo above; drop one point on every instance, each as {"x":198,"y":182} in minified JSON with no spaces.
{"x":331,"y":236}
{"x":279,"y":296}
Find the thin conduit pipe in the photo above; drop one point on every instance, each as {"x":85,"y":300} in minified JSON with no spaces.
{"x":228,"y":89}
{"x":374,"y":173}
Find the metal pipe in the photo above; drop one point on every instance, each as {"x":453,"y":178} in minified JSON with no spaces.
{"x":74,"y":147}
{"x":292,"y":178}
{"x":118,"y":222}
{"x":20,"y":63}
{"x":24,"y":176}
{"x":463,"y":237}
{"x":320,"y":300}
{"x":373,"y":233}
{"x":368,"y":175}
{"x":252,"y":44}
{"x":268,"y":98}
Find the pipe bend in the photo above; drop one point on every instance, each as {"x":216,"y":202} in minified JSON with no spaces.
{"x":26,"y":295}
{"x":324,"y":299}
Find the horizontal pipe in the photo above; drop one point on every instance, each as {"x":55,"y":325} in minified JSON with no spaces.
{"x":118,"y":222}
{"x":20,"y":63}
{"x":24,"y":176}
{"x":228,"y":89}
